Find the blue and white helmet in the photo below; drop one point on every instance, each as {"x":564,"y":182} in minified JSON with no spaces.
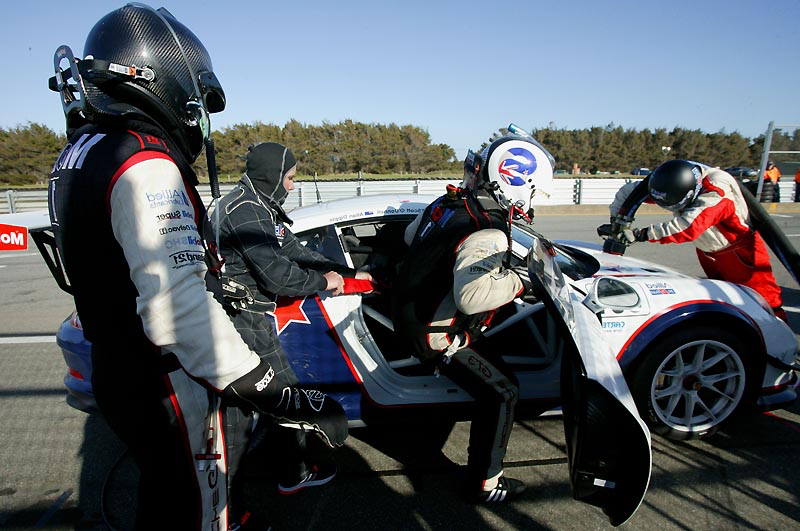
{"x":518,"y":166}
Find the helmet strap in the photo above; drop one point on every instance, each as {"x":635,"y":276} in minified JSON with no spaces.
{"x":213,"y":179}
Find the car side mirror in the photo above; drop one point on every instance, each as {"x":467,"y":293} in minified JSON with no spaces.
{"x":612,"y":293}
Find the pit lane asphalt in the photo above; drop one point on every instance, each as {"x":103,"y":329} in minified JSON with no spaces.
{"x":54,"y":459}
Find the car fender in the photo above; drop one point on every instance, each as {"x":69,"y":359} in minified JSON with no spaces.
{"x":653,"y":328}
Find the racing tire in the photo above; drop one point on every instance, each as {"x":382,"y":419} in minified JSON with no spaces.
{"x":767,"y":191}
{"x":688,"y":384}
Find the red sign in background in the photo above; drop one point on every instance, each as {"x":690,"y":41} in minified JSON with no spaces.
{"x":13,"y":238}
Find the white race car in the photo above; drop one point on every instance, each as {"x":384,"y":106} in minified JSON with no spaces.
{"x":694,"y":351}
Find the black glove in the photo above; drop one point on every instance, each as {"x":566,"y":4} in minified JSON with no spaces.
{"x":635,"y":235}
{"x":261,"y":390}
{"x":640,"y":235}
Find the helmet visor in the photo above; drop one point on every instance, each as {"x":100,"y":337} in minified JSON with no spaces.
{"x":685,"y":200}
{"x":680,"y":205}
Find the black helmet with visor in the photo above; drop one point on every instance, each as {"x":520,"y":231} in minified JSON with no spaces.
{"x":675,"y":184}
{"x":140,"y":62}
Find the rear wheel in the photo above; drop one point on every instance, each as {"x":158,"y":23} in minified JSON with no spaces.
{"x":691,"y":383}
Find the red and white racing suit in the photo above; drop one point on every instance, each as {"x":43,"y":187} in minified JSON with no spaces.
{"x":716,"y":221}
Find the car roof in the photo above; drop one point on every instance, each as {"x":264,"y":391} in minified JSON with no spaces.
{"x":356,"y":208}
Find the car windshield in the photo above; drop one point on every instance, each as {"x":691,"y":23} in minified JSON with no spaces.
{"x":573,"y":263}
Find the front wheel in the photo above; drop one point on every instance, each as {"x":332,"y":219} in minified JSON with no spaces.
{"x":688,"y":385}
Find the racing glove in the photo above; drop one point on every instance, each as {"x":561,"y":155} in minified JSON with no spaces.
{"x":637,"y":235}
{"x":307,"y":409}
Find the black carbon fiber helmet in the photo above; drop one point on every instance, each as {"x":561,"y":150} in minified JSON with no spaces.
{"x":142,"y":62}
{"x":675,"y":184}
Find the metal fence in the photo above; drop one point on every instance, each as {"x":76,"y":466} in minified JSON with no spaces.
{"x":563,"y":192}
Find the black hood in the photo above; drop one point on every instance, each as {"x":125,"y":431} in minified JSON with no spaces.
{"x":267,"y":165}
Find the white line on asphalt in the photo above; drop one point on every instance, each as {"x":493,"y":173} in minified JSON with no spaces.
{"x":791,"y":308}
{"x":780,"y":215}
{"x":14,"y":255}
{"x":27,"y":339}
{"x":793,"y":235}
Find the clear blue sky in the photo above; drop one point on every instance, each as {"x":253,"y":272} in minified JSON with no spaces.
{"x":458,"y":69}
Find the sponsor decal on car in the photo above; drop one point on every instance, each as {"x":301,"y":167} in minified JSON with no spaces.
{"x":659,"y":288}
{"x":390,"y":211}
{"x":13,"y":238}
{"x":613,"y":326}
{"x":289,"y":310}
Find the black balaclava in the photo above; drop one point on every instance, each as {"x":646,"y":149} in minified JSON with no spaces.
{"x":267,"y":164}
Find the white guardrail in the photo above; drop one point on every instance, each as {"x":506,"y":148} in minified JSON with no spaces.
{"x":563,"y":192}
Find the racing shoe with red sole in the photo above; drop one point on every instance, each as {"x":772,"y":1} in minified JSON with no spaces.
{"x":318,"y":475}
{"x":506,"y":489}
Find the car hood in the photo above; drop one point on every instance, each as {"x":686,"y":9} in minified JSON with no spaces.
{"x":616,"y":265}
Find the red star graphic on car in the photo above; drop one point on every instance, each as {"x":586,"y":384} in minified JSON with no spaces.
{"x":289,"y":310}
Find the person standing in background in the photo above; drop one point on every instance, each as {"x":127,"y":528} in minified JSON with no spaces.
{"x":797,"y":186}
{"x":773,"y":174}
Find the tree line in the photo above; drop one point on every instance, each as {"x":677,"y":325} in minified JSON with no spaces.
{"x":28,"y":152}
{"x":613,"y":148}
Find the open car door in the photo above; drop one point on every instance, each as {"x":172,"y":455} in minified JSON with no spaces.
{"x":608,"y":444}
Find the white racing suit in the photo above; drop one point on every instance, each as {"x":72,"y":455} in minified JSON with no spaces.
{"x":447,"y":289}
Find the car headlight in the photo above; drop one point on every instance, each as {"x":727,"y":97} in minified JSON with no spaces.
{"x":756,"y":296}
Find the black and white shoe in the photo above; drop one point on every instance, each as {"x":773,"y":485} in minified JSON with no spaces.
{"x":318,"y":475}
{"x":506,"y":489}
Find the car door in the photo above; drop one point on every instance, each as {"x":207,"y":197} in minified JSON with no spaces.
{"x":608,"y":444}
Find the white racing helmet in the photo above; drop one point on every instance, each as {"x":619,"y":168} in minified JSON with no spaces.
{"x":516,"y":168}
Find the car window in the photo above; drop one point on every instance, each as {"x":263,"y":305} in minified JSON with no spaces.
{"x":573,"y":263}
{"x":375,"y":244}
{"x":325,"y":241}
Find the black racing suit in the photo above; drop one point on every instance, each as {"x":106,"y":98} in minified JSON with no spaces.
{"x":427,"y":311}
{"x":263,"y":255}
{"x":128,"y":225}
